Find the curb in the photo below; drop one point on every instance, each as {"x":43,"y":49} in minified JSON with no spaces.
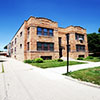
{"x":83,"y":82}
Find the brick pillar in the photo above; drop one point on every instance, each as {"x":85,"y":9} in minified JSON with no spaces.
{"x":56,"y":45}
{"x":72,"y":42}
{"x":86,"y":44}
{"x":25,"y":40}
{"x":32,"y":40}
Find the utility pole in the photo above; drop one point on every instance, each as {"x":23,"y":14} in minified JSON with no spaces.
{"x":67,"y":37}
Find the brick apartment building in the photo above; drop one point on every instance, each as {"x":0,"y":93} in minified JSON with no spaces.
{"x":41,"y":37}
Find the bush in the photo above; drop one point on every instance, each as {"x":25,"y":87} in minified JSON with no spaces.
{"x":80,"y":58}
{"x":59,"y":60}
{"x":39,"y":60}
{"x":29,"y":61}
{"x":89,"y":57}
{"x":98,"y":57}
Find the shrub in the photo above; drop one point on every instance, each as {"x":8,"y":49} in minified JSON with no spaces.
{"x":59,"y":60}
{"x":80,"y":58}
{"x":98,"y":57}
{"x":29,"y":61}
{"x":89,"y":57}
{"x":39,"y":60}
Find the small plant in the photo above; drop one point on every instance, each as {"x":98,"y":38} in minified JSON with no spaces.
{"x":98,"y":57}
{"x":89,"y":57}
{"x":80,"y":58}
{"x":39,"y":60}
{"x":2,"y":68}
{"x":29,"y":61}
{"x":59,"y":60}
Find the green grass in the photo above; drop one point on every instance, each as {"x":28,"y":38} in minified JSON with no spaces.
{"x":89,"y":75}
{"x":95,"y":59}
{"x":2,"y":68}
{"x":54,"y":63}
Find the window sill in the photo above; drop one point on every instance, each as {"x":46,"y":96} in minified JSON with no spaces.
{"x":80,"y":51}
{"x":45,"y":51}
{"x":45,"y":36}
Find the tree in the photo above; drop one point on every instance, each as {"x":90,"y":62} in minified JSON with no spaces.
{"x":99,"y":30}
{"x":94,"y":42}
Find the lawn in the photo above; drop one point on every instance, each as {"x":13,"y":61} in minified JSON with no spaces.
{"x":93,"y":59}
{"x":54,"y":63}
{"x":89,"y":75}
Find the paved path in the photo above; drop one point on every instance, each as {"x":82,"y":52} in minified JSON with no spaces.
{"x":61,"y":70}
{"x":25,"y":82}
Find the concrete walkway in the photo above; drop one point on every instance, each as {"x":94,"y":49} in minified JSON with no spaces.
{"x":61,"y":70}
{"x":25,"y":82}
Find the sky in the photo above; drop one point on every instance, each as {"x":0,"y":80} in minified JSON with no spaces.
{"x":84,"y":13}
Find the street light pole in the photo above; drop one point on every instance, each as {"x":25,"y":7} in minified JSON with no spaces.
{"x":67,"y":37}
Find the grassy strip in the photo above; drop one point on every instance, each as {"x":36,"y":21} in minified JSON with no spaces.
{"x":53,"y":63}
{"x":94,"y":59}
{"x":2,"y":68}
{"x":90,"y":58}
{"x":89,"y":75}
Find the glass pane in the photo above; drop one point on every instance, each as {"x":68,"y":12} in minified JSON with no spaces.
{"x":39,"y":33}
{"x":50,"y":31}
{"x":51,"y":34}
{"x":39,"y":46}
{"x":51,"y":47}
{"x":45,"y":46}
{"x":45,"y":30}
{"x":45,"y":33}
{"x":39,"y":29}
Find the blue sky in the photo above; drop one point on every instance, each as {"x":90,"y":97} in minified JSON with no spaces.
{"x":84,"y":13}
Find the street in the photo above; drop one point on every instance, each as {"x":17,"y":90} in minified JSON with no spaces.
{"x":22,"y":81}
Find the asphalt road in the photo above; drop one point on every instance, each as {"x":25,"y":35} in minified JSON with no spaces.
{"x":24,"y":82}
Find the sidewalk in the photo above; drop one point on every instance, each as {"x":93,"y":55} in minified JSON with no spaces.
{"x":62,"y":70}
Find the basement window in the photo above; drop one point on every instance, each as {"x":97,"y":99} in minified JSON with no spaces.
{"x":46,"y":57}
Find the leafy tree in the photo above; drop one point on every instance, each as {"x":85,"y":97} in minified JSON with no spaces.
{"x":99,"y":30}
{"x":94,"y":42}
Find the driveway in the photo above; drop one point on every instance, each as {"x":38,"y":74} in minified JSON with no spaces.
{"x":25,"y":82}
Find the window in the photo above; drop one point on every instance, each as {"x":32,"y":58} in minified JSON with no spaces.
{"x":20,"y":34}
{"x":80,"y":48}
{"x":28,"y":47}
{"x":28,"y":32}
{"x":45,"y":46}
{"x":81,"y":56}
{"x":39,"y":46}
{"x":46,"y":57}
{"x":51,"y":47}
{"x":44,"y":31}
{"x":20,"y":46}
{"x":11,"y":50}
{"x":39,"y":31}
{"x":12,"y":44}
{"x":50,"y":32}
{"x":15,"y":49}
{"x":15,"y":40}
{"x":77,"y":36}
